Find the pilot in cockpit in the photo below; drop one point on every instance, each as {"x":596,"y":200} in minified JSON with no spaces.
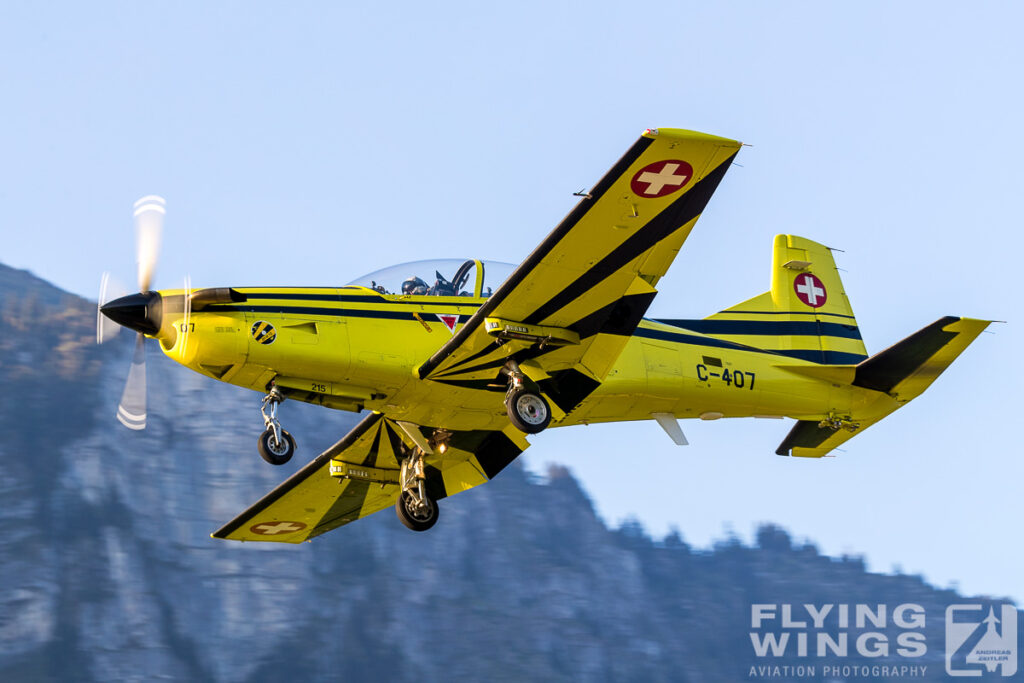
{"x":414,"y":286}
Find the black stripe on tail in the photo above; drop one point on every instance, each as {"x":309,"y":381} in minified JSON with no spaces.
{"x":886,"y":369}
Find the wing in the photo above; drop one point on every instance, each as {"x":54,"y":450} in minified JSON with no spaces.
{"x":365,"y":466}
{"x":585,"y":288}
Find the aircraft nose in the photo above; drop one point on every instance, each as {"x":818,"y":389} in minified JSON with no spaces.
{"x":141,"y":312}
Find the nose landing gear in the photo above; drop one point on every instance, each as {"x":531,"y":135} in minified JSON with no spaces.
{"x":275,"y":445}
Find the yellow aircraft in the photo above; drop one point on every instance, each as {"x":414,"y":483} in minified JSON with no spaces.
{"x":458,"y":361}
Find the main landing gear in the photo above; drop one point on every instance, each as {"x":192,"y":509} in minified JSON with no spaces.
{"x":414,"y":507}
{"x":527,"y":409}
{"x":275,"y":445}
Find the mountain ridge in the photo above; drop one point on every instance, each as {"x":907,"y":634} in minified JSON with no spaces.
{"x":108,"y":571}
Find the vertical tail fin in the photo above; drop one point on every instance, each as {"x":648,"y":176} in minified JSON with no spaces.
{"x":805,"y":315}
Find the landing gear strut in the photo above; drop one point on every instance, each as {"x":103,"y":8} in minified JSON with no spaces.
{"x":527,"y":409}
{"x":275,"y":445}
{"x":415,"y":508}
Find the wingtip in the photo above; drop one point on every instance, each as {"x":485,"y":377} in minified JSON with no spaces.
{"x":686,"y":134}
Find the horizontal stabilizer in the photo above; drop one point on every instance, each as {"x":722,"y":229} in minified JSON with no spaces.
{"x":908,"y":367}
{"x":814,"y":439}
{"x":809,"y":435}
{"x":903,"y":372}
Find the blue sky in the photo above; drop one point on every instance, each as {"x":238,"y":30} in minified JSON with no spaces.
{"x":311,"y":143}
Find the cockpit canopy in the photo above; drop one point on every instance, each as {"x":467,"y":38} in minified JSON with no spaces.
{"x":438,"y":277}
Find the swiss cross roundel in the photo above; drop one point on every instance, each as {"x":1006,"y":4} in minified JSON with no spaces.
{"x":661,"y":178}
{"x":276,"y":528}
{"x":810,"y":290}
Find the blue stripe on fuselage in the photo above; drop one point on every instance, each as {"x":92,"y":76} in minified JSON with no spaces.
{"x":814,"y":356}
{"x":778,"y":328}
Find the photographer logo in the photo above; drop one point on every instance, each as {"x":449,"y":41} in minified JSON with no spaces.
{"x":981,"y":640}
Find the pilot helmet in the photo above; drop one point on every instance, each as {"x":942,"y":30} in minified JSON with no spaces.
{"x":414,"y":285}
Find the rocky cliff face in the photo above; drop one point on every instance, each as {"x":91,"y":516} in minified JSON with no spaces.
{"x":107,"y":571}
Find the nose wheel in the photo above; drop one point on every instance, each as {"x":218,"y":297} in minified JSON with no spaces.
{"x":275,"y":445}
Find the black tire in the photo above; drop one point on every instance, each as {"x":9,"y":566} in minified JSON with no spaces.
{"x":271,"y":451}
{"x":529,"y":412}
{"x":411,"y":516}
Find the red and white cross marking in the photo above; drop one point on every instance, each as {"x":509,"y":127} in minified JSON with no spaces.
{"x":661,"y":178}
{"x":810,"y":290}
{"x":275,"y":528}
{"x":450,"y":321}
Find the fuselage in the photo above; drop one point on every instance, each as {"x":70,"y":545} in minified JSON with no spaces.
{"x":353,"y":348}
